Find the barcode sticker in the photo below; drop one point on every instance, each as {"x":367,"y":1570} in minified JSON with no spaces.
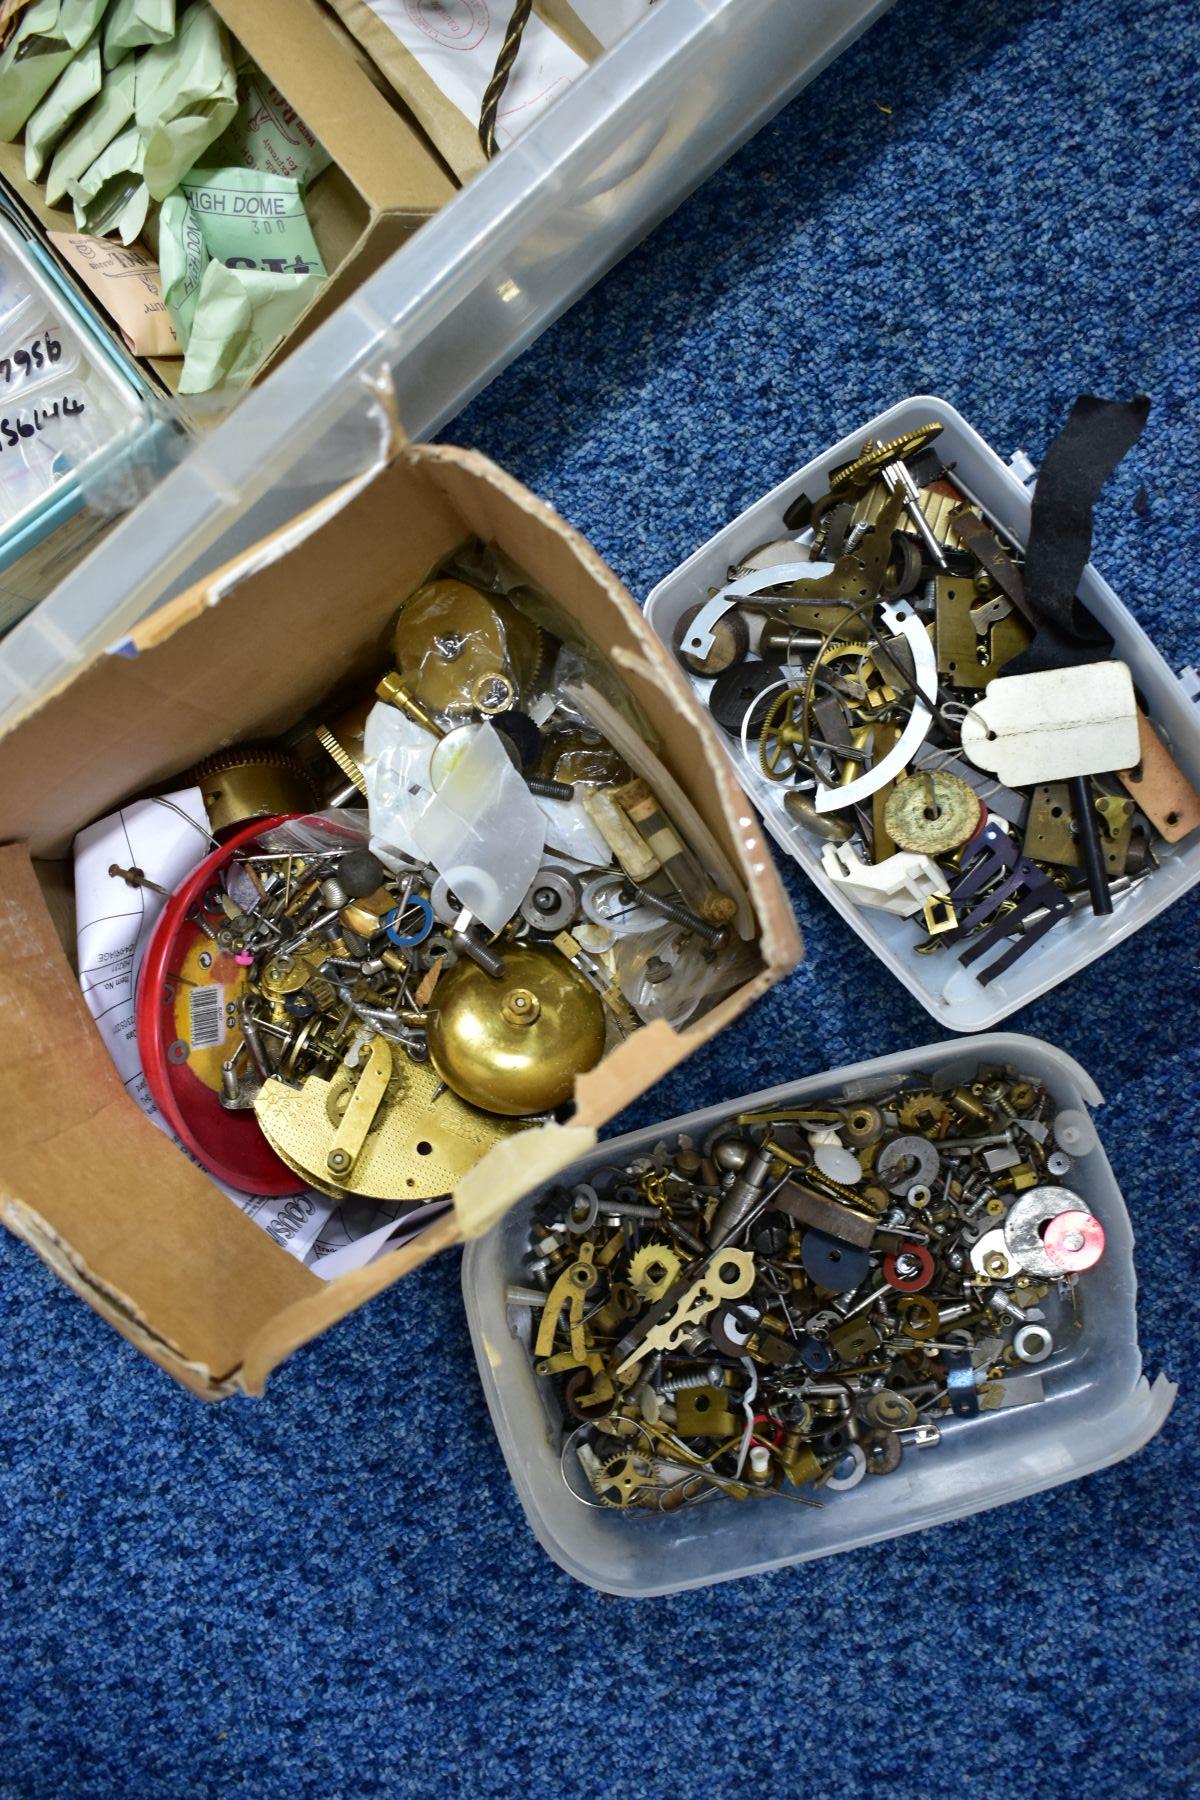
{"x":206,"y":1017}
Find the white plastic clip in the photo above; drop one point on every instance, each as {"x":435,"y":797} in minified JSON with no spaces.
{"x":1024,"y":470}
{"x":901,"y":884}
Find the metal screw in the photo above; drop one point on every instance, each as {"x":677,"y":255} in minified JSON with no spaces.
{"x":138,"y":878}
{"x":678,"y":1384}
{"x":489,"y":960}
{"x":676,"y":911}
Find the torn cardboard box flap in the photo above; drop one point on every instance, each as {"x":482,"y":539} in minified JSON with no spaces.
{"x":111,"y":1204}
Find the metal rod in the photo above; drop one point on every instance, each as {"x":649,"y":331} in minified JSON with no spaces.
{"x":1090,"y":845}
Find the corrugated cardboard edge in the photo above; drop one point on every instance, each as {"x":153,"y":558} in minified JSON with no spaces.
{"x":505,"y":1174}
{"x":112,"y":1306}
{"x":510,"y":1169}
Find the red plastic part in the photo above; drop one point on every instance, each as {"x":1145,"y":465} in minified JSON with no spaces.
{"x":1074,"y":1240}
{"x":229,"y":1145}
{"x":909,"y":1284}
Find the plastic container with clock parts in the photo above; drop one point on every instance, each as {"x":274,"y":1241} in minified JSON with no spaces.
{"x":1098,"y":1407}
{"x":947,"y":989}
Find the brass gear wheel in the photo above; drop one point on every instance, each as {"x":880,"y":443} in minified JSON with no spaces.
{"x":782,"y":735}
{"x":342,"y":757}
{"x":654,"y":1269}
{"x":921,"y":1111}
{"x":932,"y":812}
{"x":251,"y":781}
{"x":621,"y":1480}
{"x":876,"y":457}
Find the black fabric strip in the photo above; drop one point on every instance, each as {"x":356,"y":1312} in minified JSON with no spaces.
{"x":1080,"y":460}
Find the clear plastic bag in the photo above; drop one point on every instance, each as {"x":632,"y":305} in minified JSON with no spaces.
{"x":483,"y":830}
{"x":395,"y":762}
{"x":463,"y":651}
{"x":668,"y":974}
{"x":316,"y":834}
{"x":576,"y":657}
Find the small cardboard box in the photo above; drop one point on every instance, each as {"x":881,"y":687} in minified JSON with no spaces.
{"x":384,"y":182}
{"x":110,"y":1203}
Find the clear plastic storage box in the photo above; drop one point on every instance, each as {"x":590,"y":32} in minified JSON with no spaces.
{"x":946,"y":989}
{"x":637,"y":132}
{"x":1098,"y":1406}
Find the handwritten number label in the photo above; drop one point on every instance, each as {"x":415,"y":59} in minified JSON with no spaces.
{"x":26,"y":424}
{"x":42,"y":352}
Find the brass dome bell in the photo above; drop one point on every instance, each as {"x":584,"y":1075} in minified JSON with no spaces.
{"x":515,"y":1045}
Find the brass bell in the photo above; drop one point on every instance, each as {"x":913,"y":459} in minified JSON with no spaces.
{"x":514,"y":1045}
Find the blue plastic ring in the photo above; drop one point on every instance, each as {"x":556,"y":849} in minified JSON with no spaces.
{"x":416,"y":937}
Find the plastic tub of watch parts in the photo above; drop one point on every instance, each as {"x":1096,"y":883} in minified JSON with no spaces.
{"x":1097,"y":1406}
{"x":946,"y":986}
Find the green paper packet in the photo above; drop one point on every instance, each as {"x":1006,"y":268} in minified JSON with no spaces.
{"x":266,"y":134}
{"x":182,"y":260}
{"x":240,"y":316}
{"x":37,"y":53}
{"x":186,"y":96}
{"x":111,"y":195}
{"x":92,"y":133}
{"x":132,"y":24}
{"x":76,"y":86}
{"x":251,"y":220}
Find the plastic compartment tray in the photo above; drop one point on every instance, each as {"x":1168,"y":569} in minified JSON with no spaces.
{"x":949,"y":992}
{"x":1098,"y":1409}
{"x":637,"y":132}
{"x":37,"y":302}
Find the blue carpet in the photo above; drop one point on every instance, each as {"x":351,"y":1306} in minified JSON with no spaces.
{"x":333,"y":1592}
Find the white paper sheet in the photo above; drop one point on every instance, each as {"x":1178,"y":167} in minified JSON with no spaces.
{"x":295,"y":1222}
{"x":164,"y":837}
{"x":457,"y":43}
{"x":361,"y":1231}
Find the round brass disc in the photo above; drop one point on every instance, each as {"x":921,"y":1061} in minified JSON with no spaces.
{"x":514,"y":1046}
{"x":932,"y":812}
{"x":420,"y":1145}
{"x":456,"y":648}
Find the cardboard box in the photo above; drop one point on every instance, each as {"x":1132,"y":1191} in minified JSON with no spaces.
{"x":384,"y":183}
{"x":109,"y":1202}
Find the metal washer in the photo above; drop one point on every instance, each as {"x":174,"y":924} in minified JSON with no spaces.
{"x":1022,"y":1227}
{"x":893,"y":1165}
